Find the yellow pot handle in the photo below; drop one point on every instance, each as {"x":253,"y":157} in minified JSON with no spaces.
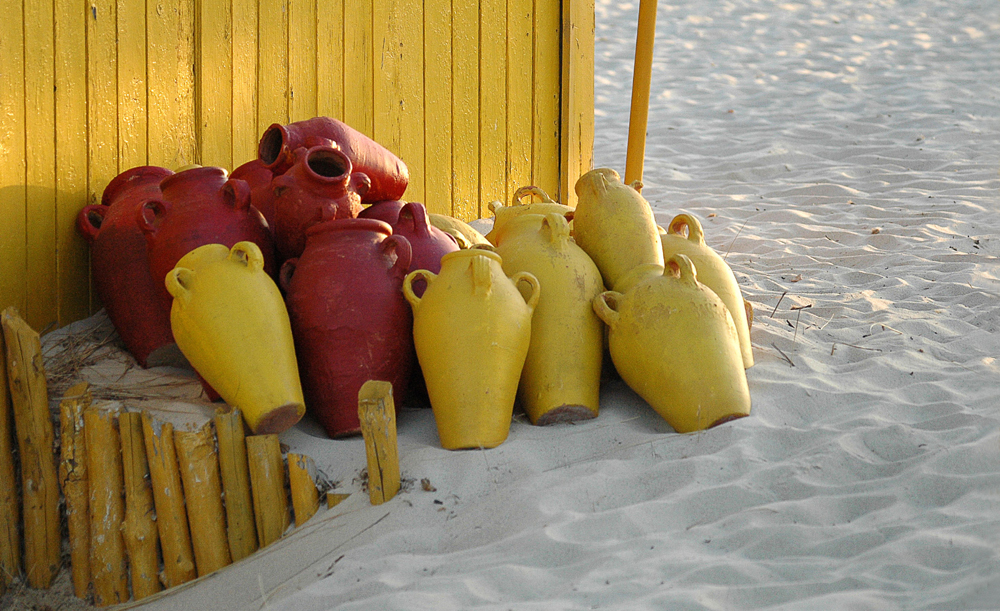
{"x":529,"y":279}
{"x":531,"y":190}
{"x":694,"y":231}
{"x":249,"y":255}
{"x":557,"y":229}
{"x":428,"y":277}
{"x":604,"y":306}
{"x":178,"y":283}
{"x":680,"y":267}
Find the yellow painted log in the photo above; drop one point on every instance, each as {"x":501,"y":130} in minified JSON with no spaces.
{"x":33,"y":423}
{"x":10,"y":493}
{"x":75,"y":484}
{"x":139,"y":528}
{"x":335,"y":498}
{"x":305,"y":496}
{"x":377,"y":413}
{"x":267,"y":481}
{"x":241,"y":527}
{"x":168,"y":496}
{"x":641,"y":76}
{"x":107,"y":507}
{"x":199,"y":465}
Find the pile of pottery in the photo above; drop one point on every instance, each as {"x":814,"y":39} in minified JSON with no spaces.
{"x":291,"y":282}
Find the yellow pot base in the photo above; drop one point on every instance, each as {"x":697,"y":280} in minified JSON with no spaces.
{"x":565,"y":413}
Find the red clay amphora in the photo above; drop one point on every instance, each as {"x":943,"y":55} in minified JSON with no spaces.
{"x":319,"y":186}
{"x":350,"y":321}
{"x":259,"y":177}
{"x":387,"y":172}
{"x":120,"y":266}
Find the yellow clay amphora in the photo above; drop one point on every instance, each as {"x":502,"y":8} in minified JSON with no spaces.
{"x":230,"y":321}
{"x":614,"y":224}
{"x":502,"y":214}
{"x":685,"y":236}
{"x":674,"y":343}
{"x":465,"y":234}
{"x":471,"y":330}
{"x":562,"y":373}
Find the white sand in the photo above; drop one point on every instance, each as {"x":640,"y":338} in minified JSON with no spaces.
{"x":848,"y":150}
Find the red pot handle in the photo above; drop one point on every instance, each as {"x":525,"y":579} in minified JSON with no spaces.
{"x":237,"y":193}
{"x":416,"y":212}
{"x":150,"y":214}
{"x":360,"y":183}
{"x":85,"y":221}
{"x":286,"y":273}
{"x":404,"y":254}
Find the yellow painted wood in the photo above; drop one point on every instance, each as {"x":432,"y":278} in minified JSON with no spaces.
{"x":577,"y":110}
{"x":437,"y":108}
{"x":520,"y":93}
{"x":13,"y":187}
{"x":235,"y":472}
{"x":73,"y":264}
{"x":301,"y":482}
{"x":131,"y":46}
{"x":139,"y":527}
{"x":377,"y":413}
{"x":215,"y":89}
{"x":641,"y":75}
{"x":10,"y":492}
{"x":302,"y":74}
{"x":39,"y":121}
{"x":199,"y":466}
{"x":74,"y":482}
{"x":358,"y":65}
{"x":245,"y":133}
{"x":335,"y":498}
{"x":170,"y":69}
{"x":267,"y":481}
{"x":330,"y":58}
{"x":107,"y":505}
{"x":492,"y":103}
{"x":465,"y":110}
{"x":272,"y":63}
{"x":548,"y":75}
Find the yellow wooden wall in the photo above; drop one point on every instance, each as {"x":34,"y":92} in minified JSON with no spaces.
{"x":477,"y":97}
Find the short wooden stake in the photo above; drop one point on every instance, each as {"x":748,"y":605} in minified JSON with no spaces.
{"x":168,"y":495}
{"x":305,"y":496}
{"x":267,"y":480}
{"x":335,"y":498}
{"x":10,"y":497}
{"x":139,"y":528}
{"x":35,"y":434}
{"x":199,"y":466}
{"x":378,"y":425}
{"x":107,"y":507}
{"x":75,"y":484}
{"x":241,"y":528}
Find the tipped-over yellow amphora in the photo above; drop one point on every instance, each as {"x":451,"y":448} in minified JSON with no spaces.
{"x":465,"y":234}
{"x":230,"y":321}
{"x":713,"y":272}
{"x":562,"y":373}
{"x":614,"y":224}
{"x":547,"y":205}
{"x":471,"y":329}
{"x":674,"y":343}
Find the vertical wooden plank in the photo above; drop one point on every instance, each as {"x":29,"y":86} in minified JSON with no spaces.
{"x":71,"y":160}
{"x":40,"y":158}
{"x":240,"y":525}
{"x":131,"y":37}
{"x":465,"y":110}
{"x":107,"y":505}
{"x":330,"y":58}
{"x":13,"y":252}
{"x":215,"y":87}
{"x":10,"y":491}
{"x":398,"y":87}
{"x":267,"y":481}
{"x":301,"y":59}
{"x":492,"y":103}
{"x":358,"y":68}
{"x":74,"y":482}
{"x":246,"y":134}
{"x":170,"y":69}
{"x":272,"y":63}
{"x":520,"y":92}
{"x":577,"y":147}
{"x":139,"y":526}
{"x":548,"y":42}
{"x":102,"y":97}
{"x":437,"y":107}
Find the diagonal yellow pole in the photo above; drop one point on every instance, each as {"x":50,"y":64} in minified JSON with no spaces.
{"x":645,"y":34}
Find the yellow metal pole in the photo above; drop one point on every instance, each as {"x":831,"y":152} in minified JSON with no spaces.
{"x":645,"y":34}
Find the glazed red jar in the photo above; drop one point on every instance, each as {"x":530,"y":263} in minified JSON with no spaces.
{"x":320,"y":186}
{"x":387,"y":172}
{"x":349,"y":318}
{"x":120,"y":267}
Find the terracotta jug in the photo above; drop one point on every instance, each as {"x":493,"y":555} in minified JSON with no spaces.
{"x":348,"y":315}
{"x":389,"y":175}
{"x":674,"y":343}
{"x":230,"y":321}
{"x":562,"y":373}
{"x":428,"y":242}
{"x":259,"y":177}
{"x":685,"y":236}
{"x":386,"y":211}
{"x":502,"y":214}
{"x":471,"y":329}
{"x":120,"y":266}
{"x":320,"y":186}
{"x":614,"y":224}
{"x":200,"y":206}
